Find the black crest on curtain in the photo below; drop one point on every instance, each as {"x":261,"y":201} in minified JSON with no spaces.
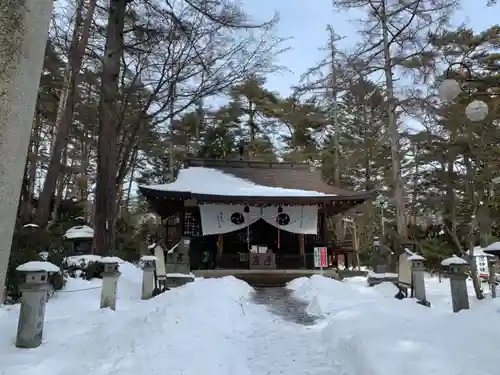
{"x":283,"y":219}
{"x":237,"y":218}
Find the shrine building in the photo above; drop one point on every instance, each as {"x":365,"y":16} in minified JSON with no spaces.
{"x":251,"y":214}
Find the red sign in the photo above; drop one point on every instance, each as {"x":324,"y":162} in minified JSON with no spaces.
{"x":320,"y":257}
{"x":323,"y":261}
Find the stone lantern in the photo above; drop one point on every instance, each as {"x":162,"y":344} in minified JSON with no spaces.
{"x":110,"y":277}
{"x":418,"y":278}
{"x":148,"y":277}
{"x":34,"y":297}
{"x":458,"y":284}
{"x":493,"y":250}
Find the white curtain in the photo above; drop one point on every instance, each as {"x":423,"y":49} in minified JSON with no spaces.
{"x":295,"y":219}
{"x":222,"y":218}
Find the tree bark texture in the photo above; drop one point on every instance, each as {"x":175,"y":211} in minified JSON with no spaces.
{"x":106,"y":189}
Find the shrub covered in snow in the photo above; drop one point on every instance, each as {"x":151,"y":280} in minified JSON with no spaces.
{"x":83,"y":266}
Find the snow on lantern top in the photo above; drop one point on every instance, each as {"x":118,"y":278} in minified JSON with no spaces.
{"x":79,"y":232}
{"x":37,"y":266}
{"x":454,"y":261}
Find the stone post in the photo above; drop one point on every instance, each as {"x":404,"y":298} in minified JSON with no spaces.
{"x":148,"y":276}
{"x":34,"y":296}
{"x":110,"y":277}
{"x":418,"y":279}
{"x":24,"y":26}
{"x":458,"y":284}
{"x":492,"y":278}
{"x":378,"y":263}
{"x":178,"y":265}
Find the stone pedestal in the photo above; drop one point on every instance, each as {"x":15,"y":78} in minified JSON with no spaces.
{"x":178,"y":265}
{"x":24,"y":29}
{"x":34,"y":297}
{"x":492,"y":279}
{"x":148,"y":276}
{"x":109,"y":283}
{"x":459,"y":295}
{"x":418,"y":276}
{"x":458,"y":283}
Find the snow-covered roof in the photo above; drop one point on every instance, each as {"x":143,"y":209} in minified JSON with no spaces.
{"x":478,"y":251}
{"x":37,"y":266}
{"x":208,"y":181}
{"x":453,"y":261}
{"x":79,"y":232}
{"x":495,"y":246}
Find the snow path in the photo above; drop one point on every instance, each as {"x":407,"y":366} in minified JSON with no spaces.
{"x":278,"y":347}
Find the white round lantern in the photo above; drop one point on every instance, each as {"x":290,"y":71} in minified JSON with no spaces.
{"x":449,"y":90}
{"x":477,"y":110}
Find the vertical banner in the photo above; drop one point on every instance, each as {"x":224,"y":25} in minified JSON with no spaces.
{"x":320,"y":258}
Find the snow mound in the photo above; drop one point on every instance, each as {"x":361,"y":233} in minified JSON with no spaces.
{"x":199,"y":328}
{"x":81,"y":260}
{"x":369,"y":332}
{"x":296,"y":283}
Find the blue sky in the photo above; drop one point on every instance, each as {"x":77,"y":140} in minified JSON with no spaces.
{"x":305,"y":22}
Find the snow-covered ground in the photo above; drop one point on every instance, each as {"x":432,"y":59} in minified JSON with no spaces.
{"x":369,"y":332}
{"x":212,"y":327}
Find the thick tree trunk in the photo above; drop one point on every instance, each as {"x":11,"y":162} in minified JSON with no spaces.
{"x":67,"y":102}
{"x":26,"y":207}
{"x":470,"y":180}
{"x":106,"y":189}
{"x":392,"y":127}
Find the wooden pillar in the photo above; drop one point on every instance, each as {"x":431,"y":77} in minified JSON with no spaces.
{"x":181,"y":221}
{"x":302,"y":250}
{"x":324,"y":226}
{"x":220,"y":247}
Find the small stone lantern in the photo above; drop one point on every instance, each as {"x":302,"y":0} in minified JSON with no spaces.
{"x":493,"y":251}
{"x":418,"y":278}
{"x":148,"y":277}
{"x":492,"y":261}
{"x":458,"y":284}
{"x":110,"y":277}
{"x":34,"y":297}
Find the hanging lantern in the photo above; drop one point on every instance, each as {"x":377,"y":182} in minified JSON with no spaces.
{"x":449,"y":90}
{"x":477,"y":110}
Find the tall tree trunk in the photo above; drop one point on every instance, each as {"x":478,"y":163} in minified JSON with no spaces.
{"x":470,"y":180}
{"x":59,"y":191}
{"x":106,"y":189}
{"x":31,"y":169}
{"x":392,"y":127}
{"x":132,"y":170}
{"x":69,"y":96}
